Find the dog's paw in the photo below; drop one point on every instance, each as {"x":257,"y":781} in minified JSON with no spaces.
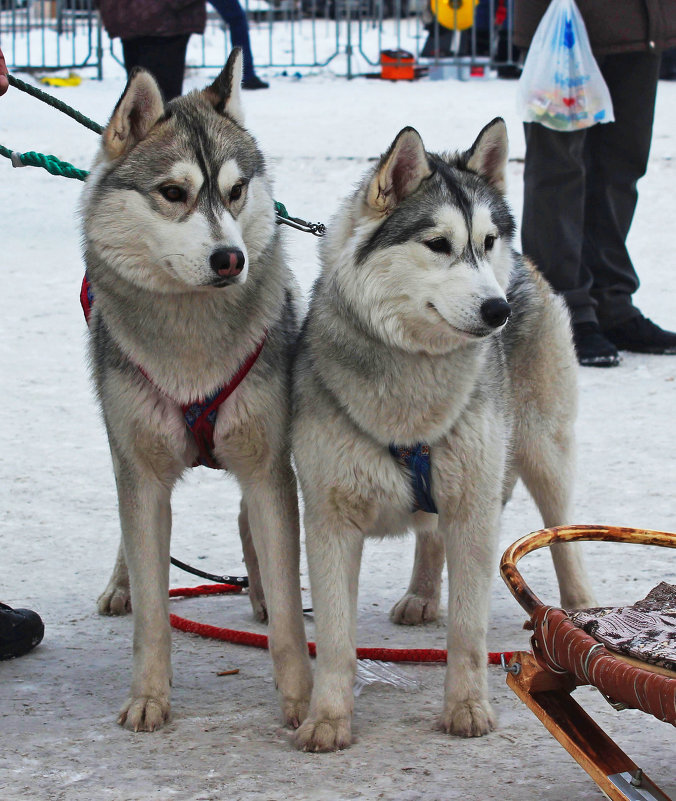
{"x":325,"y":734}
{"x":145,"y":713}
{"x":294,"y":712}
{"x":468,"y":718}
{"x":414,"y":610}
{"x":114,"y":600}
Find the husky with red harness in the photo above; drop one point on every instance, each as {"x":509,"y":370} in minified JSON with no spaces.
{"x":192,"y":314}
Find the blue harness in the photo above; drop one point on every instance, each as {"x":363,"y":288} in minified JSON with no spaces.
{"x":417,"y":461}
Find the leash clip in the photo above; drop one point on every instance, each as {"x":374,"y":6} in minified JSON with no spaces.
{"x":317,"y":229}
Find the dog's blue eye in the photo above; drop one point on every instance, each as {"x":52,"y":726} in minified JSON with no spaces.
{"x":489,"y":241}
{"x":174,"y":194}
{"x":439,"y":245}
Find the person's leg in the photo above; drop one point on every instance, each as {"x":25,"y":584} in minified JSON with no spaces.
{"x":617,"y":156}
{"x":552,"y":231}
{"x":235,"y":18}
{"x":163,"y":56}
{"x":553,"y":214}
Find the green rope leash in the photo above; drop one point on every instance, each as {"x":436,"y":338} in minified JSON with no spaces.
{"x":55,"y":166}
{"x":52,"y":164}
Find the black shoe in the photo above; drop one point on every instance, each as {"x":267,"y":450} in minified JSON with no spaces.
{"x":641,"y":335}
{"x":254,"y":82}
{"x":20,"y":630}
{"x":592,"y":348}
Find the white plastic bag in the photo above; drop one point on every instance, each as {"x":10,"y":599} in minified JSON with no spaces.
{"x":371,"y":671}
{"x":561,"y":85}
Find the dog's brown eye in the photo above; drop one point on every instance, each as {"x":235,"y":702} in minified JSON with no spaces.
{"x":174,"y":194}
{"x":236,"y":192}
{"x":489,"y":241}
{"x":439,"y":245}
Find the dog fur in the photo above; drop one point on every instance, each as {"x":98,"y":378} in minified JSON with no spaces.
{"x":188,"y":274}
{"x":407,"y":341}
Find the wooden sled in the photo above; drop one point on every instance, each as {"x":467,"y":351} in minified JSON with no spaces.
{"x":564,"y":656}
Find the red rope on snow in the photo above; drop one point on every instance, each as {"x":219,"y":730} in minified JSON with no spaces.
{"x":261,"y":640}
{"x":205,"y":589}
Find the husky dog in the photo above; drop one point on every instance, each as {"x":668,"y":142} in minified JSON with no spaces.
{"x":427,"y":333}
{"x":190,"y":289}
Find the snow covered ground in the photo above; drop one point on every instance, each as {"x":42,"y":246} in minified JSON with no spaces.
{"x":59,"y":521}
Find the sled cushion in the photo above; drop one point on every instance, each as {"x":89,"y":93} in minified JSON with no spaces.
{"x":645,"y":631}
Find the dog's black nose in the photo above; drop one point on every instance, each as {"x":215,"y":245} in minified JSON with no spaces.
{"x":228,"y":262}
{"x":495,"y":312}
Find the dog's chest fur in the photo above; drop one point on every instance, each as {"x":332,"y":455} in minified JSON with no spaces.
{"x":189,"y":344}
{"x":392,"y":395}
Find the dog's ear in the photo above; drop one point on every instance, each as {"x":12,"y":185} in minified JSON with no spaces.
{"x":400,"y":172}
{"x":136,"y":112}
{"x":225,"y":93}
{"x":488,"y":155}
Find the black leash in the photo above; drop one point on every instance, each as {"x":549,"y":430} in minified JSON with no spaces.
{"x":238,"y":581}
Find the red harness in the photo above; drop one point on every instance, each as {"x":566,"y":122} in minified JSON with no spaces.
{"x":199,"y":415}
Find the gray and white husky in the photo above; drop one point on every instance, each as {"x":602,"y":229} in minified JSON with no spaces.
{"x":428,"y":334}
{"x":189,"y":283}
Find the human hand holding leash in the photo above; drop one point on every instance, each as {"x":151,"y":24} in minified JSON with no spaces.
{"x":4,"y":83}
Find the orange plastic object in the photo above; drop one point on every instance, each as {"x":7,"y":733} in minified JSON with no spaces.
{"x":397,"y":65}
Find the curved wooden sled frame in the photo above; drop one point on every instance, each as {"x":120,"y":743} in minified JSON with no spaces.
{"x":564,"y":656}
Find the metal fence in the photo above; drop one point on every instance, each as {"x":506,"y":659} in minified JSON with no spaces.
{"x":346,"y":36}
{"x":50,"y":34}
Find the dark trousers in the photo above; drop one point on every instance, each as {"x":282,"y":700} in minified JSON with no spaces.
{"x":164,"y":56}
{"x":235,"y":18}
{"x":580,"y":195}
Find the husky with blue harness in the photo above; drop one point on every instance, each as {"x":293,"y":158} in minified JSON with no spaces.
{"x":192,"y":316}
{"x":435,"y":367}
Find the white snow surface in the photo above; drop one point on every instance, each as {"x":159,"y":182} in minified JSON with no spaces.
{"x":58,"y":736}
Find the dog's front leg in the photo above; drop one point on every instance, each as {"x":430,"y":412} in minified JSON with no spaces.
{"x":272,"y":504}
{"x":470,"y":556}
{"x":145,"y":516}
{"x":334,"y":557}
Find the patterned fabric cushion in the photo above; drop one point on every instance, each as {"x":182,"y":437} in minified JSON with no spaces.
{"x":645,"y":631}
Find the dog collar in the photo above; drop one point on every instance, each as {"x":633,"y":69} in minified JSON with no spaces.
{"x":417,"y":461}
{"x":200,"y":415}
